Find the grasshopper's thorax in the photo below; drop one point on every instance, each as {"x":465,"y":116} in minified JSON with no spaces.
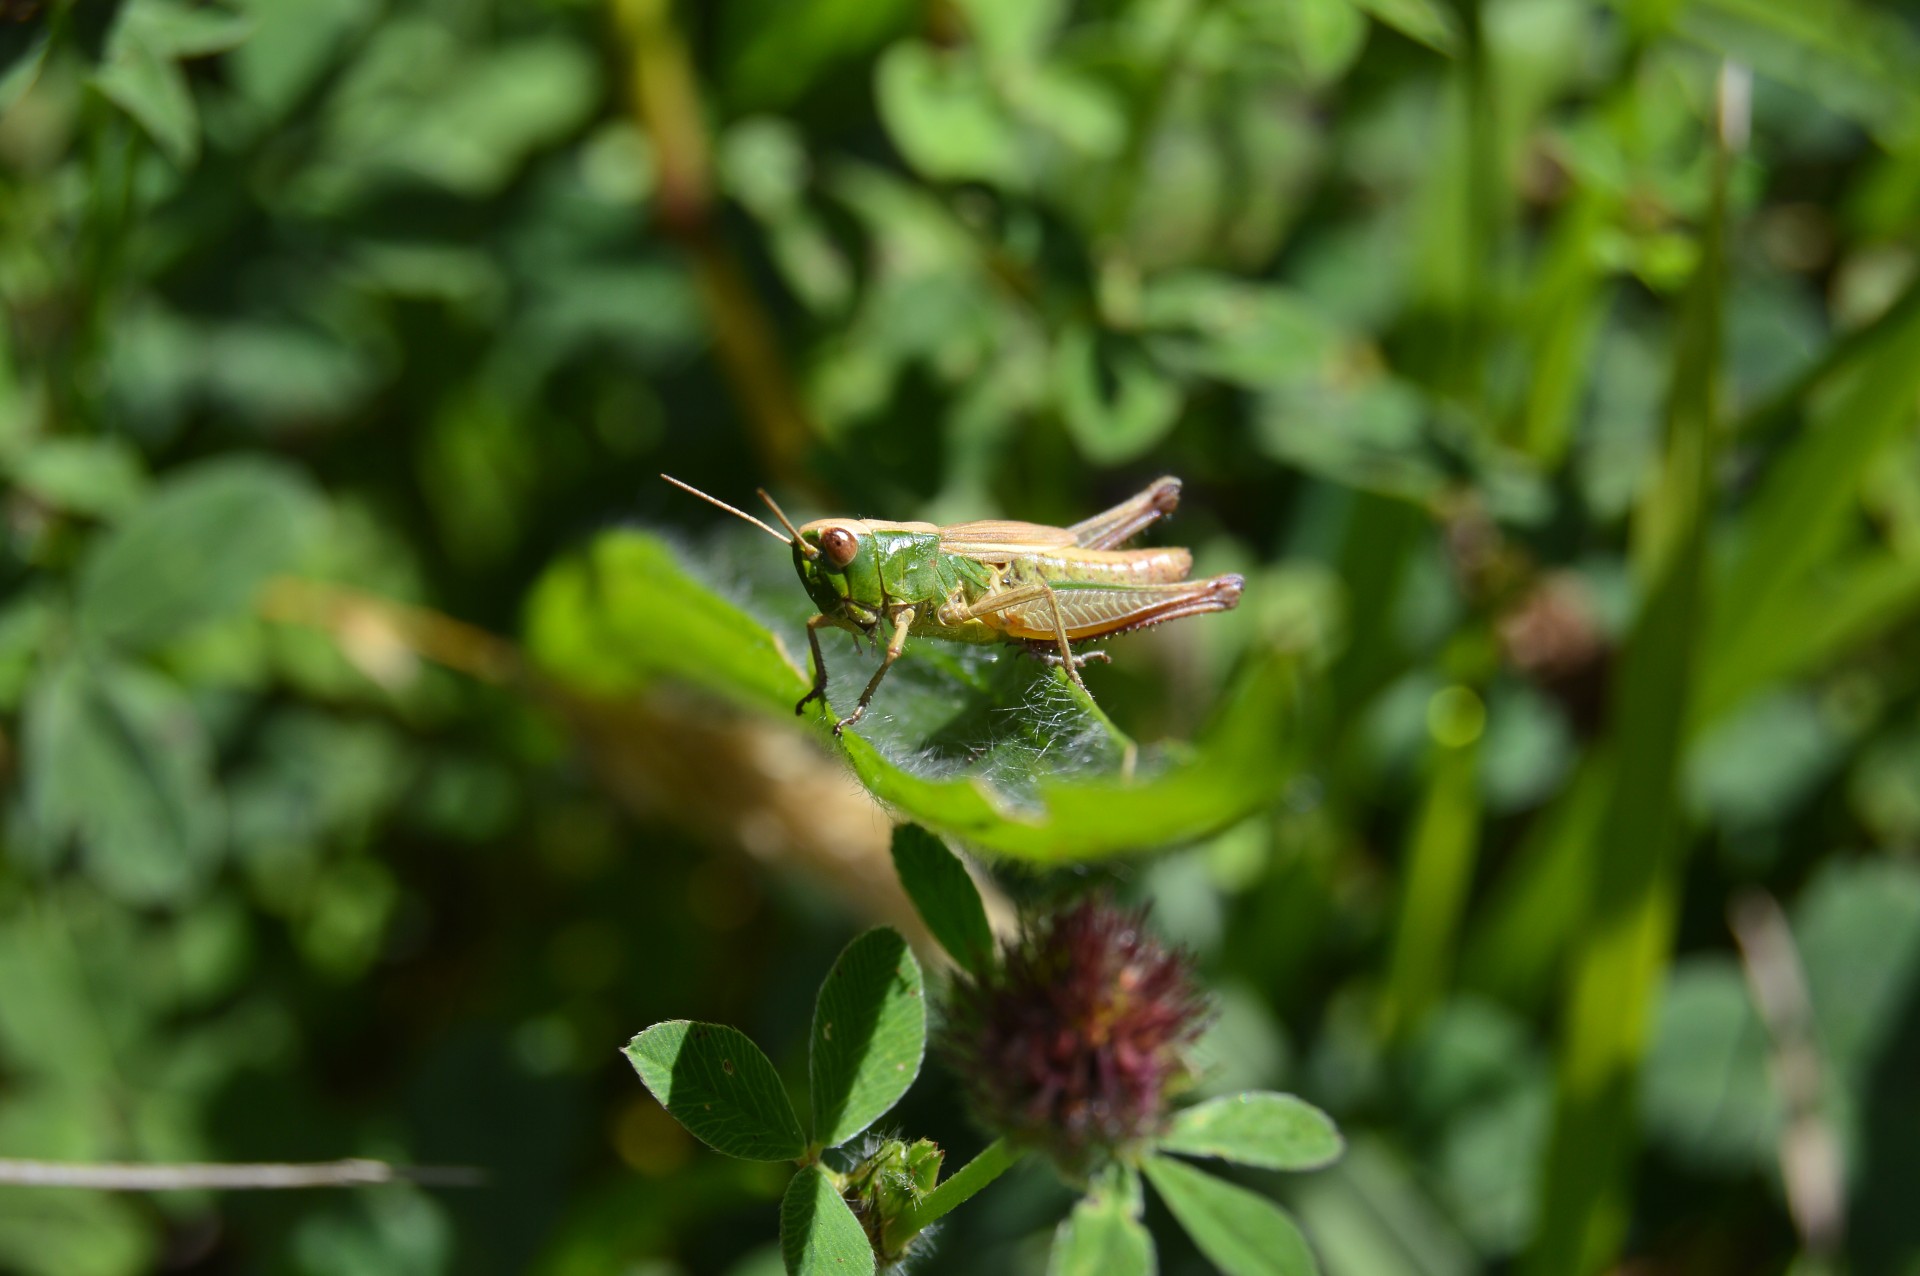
{"x":856,"y":569}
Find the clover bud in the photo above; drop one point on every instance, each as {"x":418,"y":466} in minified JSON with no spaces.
{"x":1077,"y":1040}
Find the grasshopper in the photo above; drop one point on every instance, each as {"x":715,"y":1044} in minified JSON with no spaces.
{"x":1039,"y":587}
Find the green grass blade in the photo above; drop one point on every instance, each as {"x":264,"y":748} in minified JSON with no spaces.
{"x":1801,"y":511}
{"x":1810,"y":627}
{"x":1564,"y":319}
{"x":1517,"y":940}
{"x":1621,"y":958}
{"x":1440,"y":858}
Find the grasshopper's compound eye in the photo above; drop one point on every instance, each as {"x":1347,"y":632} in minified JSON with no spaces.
{"x":839,"y":545}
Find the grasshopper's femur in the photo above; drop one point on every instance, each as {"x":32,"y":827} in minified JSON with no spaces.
{"x":718,"y":503}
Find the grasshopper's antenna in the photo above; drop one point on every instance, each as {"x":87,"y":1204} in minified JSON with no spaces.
{"x":787,"y":523}
{"x":694,"y":491}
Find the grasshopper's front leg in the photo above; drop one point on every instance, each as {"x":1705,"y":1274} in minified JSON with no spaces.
{"x":819,"y":691}
{"x":902,"y":618}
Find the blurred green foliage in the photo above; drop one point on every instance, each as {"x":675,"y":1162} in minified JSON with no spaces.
{"x":1550,"y":367}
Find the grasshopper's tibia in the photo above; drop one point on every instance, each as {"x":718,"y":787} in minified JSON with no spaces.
{"x":819,"y":689}
{"x":902,"y":618}
{"x":1081,"y":659}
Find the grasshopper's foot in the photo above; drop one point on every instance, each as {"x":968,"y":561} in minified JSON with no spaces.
{"x":818,"y":693}
{"x":859,"y":712}
{"x":1080,"y":658}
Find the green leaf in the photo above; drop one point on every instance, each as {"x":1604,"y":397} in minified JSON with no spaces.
{"x":1241,"y":1232}
{"x":141,"y":74}
{"x":941,"y":112}
{"x":100,"y":477}
{"x":625,"y":615}
{"x":117,"y":759}
{"x":819,"y":1236}
{"x":1272,"y":1131}
{"x":1241,"y":762}
{"x":1104,"y":1236}
{"x":1857,"y":924}
{"x":463,"y":118}
{"x":628,"y":613}
{"x":184,"y":30}
{"x":1372,"y":1216}
{"x":1705,"y":1094}
{"x":1854,"y":59}
{"x":1319,"y":37}
{"x":76,"y":1234}
{"x":154,"y":91}
{"x":944,"y":895}
{"x":869,"y":1034}
{"x":1803,"y":507}
{"x":1423,"y":20}
{"x":718,"y":1084}
{"x":26,"y":621}
{"x":195,"y":551}
{"x":23,"y":50}
{"x":1111,"y":429}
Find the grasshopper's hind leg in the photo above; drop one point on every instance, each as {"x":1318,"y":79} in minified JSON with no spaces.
{"x":1081,"y":659}
{"x":819,"y":691}
{"x":1070,"y":662}
{"x":902,"y":619}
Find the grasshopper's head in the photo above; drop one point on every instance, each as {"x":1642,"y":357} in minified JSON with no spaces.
{"x":837,"y":562}
{"x":834,"y":556}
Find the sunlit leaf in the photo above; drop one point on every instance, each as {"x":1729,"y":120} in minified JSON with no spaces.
{"x":720,"y":1086}
{"x":944,"y":895}
{"x":1104,"y":1235}
{"x":1272,"y":1131}
{"x":819,"y":1236}
{"x":627,"y":614}
{"x":100,"y":477}
{"x":869,"y":1033}
{"x":1241,"y":1232}
{"x":943,"y":116}
{"x":154,"y":91}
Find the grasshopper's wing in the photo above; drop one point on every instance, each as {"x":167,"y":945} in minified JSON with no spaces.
{"x":1129,"y":518}
{"x":999,"y":540}
{"x":1102,"y":610}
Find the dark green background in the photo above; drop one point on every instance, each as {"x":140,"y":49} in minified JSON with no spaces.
{"x":1563,"y":423}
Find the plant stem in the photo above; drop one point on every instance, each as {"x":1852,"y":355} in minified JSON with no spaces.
{"x":994,"y":1160}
